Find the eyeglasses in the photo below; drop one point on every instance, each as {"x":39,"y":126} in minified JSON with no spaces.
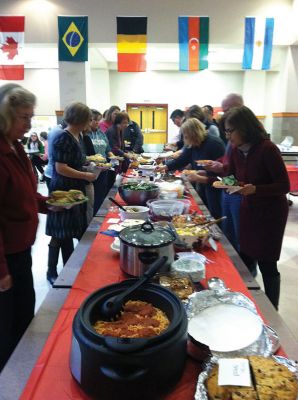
{"x":26,"y":118}
{"x":229,"y":130}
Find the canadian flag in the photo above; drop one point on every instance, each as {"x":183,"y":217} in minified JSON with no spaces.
{"x":12,"y":47}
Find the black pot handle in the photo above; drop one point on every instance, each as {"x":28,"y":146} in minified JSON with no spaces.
{"x":148,"y":257}
{"x":147,"y":226}
{"x":123,"y":376}
{"x":125,"y":345}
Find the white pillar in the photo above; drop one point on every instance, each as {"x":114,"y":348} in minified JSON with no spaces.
{"x":254,"y":90}
{"x":72,"y":82}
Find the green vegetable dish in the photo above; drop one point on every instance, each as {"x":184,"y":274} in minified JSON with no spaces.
{"x":139,"y":186}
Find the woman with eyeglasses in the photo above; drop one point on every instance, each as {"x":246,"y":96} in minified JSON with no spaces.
{"x":257,"y":162}
{"x":19,"y":208}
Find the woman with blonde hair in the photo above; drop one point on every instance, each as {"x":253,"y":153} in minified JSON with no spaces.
{"x":199,"y":146}
{"x":19,"y":207}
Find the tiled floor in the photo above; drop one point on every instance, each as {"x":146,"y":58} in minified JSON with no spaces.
{"x":288,"y":266}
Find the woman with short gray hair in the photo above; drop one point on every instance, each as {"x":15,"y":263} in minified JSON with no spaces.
{"x":19,"y":207}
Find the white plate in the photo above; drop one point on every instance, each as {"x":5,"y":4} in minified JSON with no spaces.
{"x":230,"y":188}
{"x":226,"y":327}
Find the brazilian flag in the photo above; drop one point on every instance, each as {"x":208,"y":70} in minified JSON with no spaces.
{"x":73,"y":38}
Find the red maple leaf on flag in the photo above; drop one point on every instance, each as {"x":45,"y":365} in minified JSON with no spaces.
{"x":10,"y":47}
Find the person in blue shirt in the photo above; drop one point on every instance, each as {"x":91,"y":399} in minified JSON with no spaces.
{"x":199,"y":146}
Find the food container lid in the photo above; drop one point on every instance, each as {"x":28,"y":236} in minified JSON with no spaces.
{"x":146,"y":235}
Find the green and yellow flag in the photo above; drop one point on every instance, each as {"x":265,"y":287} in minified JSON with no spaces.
{"x":73,"y":38}
{"x":131,"y":43}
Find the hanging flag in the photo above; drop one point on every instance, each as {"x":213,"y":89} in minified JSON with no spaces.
{"x":11,"y":47}
{"x":258,"y":42}
{"x":193,"y":43}
{"x":131,"y":44}
{"x":73,"y":38}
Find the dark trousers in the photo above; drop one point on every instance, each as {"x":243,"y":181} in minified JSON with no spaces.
{"x":16,"y":304}
{"x":100,"y":190}
{"x":270,"y":275}
{"x":212,"y":199}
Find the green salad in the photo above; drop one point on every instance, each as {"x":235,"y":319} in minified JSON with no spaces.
{"x":230,"y":180}
{"x":139,"y":186}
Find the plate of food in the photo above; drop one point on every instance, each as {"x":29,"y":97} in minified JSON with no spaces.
{"x":203,"y":163}
{"x":96,"y":158}
{"x":66,"y":199}
{"x":230,"y":183}
{"x":189,"y":171}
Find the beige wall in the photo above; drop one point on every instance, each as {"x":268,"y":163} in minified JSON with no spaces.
{"x":226,"y":17}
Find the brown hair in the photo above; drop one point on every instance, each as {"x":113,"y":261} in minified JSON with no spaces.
{"x":120,"y":117}
{"x":195,"y":112}
{"x":77,"y":113}
{"x":246,"y":123}
{"x":110,"y":111}
{"x":195,"y":130}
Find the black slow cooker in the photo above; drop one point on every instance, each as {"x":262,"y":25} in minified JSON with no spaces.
{"x":124,"y":368}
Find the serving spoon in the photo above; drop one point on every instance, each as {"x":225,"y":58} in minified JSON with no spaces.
{"x":112,"y":307}
{"x":117,"y":204}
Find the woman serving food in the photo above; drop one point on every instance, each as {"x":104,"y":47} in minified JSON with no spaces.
{"x":199,"y":146}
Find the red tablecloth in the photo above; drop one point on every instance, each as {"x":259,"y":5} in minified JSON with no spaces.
{"x":293,"y":176}
{"x":51,"y":377}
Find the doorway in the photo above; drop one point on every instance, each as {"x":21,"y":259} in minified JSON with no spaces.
{"x":152,"y":119}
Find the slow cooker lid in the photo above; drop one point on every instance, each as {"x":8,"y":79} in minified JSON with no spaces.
{"x":146,"y":235}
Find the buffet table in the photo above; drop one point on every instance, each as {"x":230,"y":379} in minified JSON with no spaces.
{"x":92,"y":266}
{"x":293,"y":176}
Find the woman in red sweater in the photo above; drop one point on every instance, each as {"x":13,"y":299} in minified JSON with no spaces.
{"x":19,"y":207}
{"x":257,"y":162}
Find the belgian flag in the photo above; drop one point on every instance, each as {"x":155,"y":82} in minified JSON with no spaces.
{"x":131,"y":43}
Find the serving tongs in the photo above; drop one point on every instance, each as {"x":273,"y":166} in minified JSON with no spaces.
{"x":207,"y":224}
{"x":112,"y":307}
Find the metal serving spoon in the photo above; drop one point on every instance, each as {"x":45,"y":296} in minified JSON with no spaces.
{"x":112,"y":307}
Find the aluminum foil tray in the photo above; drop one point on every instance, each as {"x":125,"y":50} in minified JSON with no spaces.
{"x":201,"y":392}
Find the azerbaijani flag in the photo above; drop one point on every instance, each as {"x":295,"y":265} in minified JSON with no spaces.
{"x":132,"y":44}
{"x":12,"y":47}
{"x":193,"y":43}
{"x":258,"y":43}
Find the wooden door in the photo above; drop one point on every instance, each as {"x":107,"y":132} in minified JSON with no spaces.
{"x":152,"y":119}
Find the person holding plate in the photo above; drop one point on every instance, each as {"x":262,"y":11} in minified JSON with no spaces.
{"x":19,"y":207}
{"x":199,"y":146}
{"x":257,"y":162}
{"x":68,"y":161}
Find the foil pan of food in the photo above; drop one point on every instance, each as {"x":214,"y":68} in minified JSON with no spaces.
{"x":271,"y":378}
{"x":228,"y":324}
{"x":179,"y":283}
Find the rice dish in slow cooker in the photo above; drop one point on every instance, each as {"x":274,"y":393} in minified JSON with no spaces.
{"x":138,"y":319}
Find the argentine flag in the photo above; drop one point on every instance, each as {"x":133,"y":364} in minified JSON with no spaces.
{"x":258,"y":43}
